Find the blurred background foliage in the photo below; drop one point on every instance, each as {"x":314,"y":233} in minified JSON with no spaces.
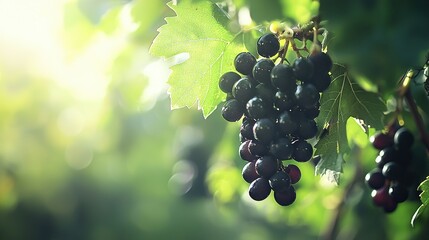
{"x":89,"y":148}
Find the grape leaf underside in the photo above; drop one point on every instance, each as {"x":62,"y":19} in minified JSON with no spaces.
{"x":343,"y":99}
{"x":424,"y":197}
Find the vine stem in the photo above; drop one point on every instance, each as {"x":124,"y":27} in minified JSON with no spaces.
{"x":332,"y":229}
{"x":417,"y":119}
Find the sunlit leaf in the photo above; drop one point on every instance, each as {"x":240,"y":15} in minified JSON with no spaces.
{"x":198,"y":30}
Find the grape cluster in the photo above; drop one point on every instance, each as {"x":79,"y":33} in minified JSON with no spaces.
{"x":389,"y":179}
{"x":279,"y":103}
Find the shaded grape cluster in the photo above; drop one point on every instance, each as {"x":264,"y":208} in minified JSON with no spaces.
{"x":277,"y":103}
{"x":389,"y":180}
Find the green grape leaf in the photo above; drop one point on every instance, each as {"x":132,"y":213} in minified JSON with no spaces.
{"x":424,"y":197}
{"x":343,"y":99}
{"x":199,"y":30}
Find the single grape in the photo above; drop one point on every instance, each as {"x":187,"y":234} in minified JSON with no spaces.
{"x":284,"y":101}
{"x":375,"y":179}
{"x":285,"y":198}
{"x":244,"y":63}
{"x":227,"y":80}
{"x":245,"y":153}
{"x":257,"y":108}
{"x":307,"y":128}
{"x":232,"y":110}
{"x":259,"y":189}
{"x":246,"y":128}
{"x":287,"y":124}
{"x":390,"y":205}
{"x":321,"y":82}
{"x":392,"y":171}
{"x":322,"y":63}
{"x":266,"y":166}
{"x":283,"y":78}
{"x":381,"y":140}
{"x":242,"y":90}
{"x":313,"y":112}
{"x":388,"y":154}
{"x":380,"y":196}
{"x":266,"y":92}
{"x":294,"y":173}
{"x":398,"y":192}
{"x":264,"y":130}
{"x":282,"y":148}
{"x":303,"y":68}
{"x":403,"y":139}
{"x":262,"y":70}
{"x":257,"y":148}
{"x":303,"y":151}
{"x":268,"y":45}
{"x":249,"y":172}
{"x":280,"y":181}
{"x":307,"y":96}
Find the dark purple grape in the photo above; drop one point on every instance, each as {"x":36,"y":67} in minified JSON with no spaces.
{"x":398,"y":192}
{"x":321,"y":82}
{"x":227,"y":80}
{"x":282,"y":148}
{"x":262,"y":70}
{"x":303,"y":151}
{"x":259,"y":189}
{"x":390,"y":205}
{"x":285,"y":198}
{"x":266,"y":166}
{"x":313,"y":112}
{"x":249,"y":172}
{"x":257,"y":148}
{"x":284,"y":101}
{"x":264,"y":130}
{"x":382,"y":199}
{"x":388,"y":154}
{"x":268,"y":45}
{"x":244,"y":63}
{"x":287,"y":124}
{"x":294,"y":173}
{"x":403,"y":139}
{"x":266,"y":92}
{"x":307,"y":129}
{"x":381,"y":140}
{"x":375,"y":179}
{"x":280,"y":181}
{"x":245,"y":153}
{"x":232,"y":110}
{"x":246,"y":128}
{"x":283,"y":78}
{"x":303,"y":69}
{"x":307,"y":96}
{"x":257,"y":108}
{"x":243,"y":90}
{"x":380,"y":196}
{"x":322,"y":63}
{"x":392,"y":171}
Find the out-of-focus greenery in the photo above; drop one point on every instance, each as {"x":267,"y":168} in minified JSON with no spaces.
{"x":89,"y":148}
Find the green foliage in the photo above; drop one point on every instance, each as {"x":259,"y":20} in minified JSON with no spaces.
{"x":378,"y":39}
{"x":344,"y":99}
{"x":198,"y":30}
{"x":424,"y":197}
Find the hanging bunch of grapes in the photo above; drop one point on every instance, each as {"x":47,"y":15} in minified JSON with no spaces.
{"x":277,"y":103}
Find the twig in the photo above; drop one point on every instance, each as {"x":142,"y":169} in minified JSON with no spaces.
{"x":332,"y":229}
{"x":417,"y":119}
